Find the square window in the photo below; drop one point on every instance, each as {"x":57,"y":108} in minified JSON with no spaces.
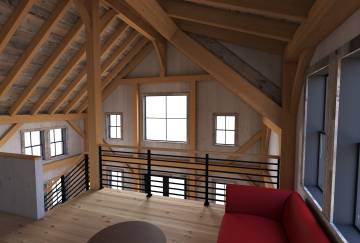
{"x":33,"y":143}
{"x":166,"y":118}
{"x":57,"y":142}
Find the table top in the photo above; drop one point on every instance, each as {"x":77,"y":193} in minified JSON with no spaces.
{"x":131,"y":231}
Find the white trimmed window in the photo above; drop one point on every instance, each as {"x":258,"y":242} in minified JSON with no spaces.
{"x":57,"y":142}
{"x":116,"y":180}
{"x":33,"y":143}
{"x":166,"y":118}
{"x":167,"y":186}
{"x":225,"y":129}
{"x":115,"y":126}
{"x":220,"y":193}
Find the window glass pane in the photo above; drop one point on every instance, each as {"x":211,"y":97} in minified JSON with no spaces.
{"x":52,"y":138}
{"x":220,"y":122}
{"x":113,"y":132}
{"x":59,"y":148}
{"x":52,"y":149}
{"x":116,"y":179}
{"x":157,"y":185}
{"x":27,"y":141}
{"x":155,"y":106}
{"x":35,"y":138}
{"x":177,"y":130}
{"x":118,"y":120}
{"x":58,"y":135}
{"x":176,"y":106}
{"x":220,"y":193}
{"x":220,"y":137}
{"x":230,"y":122}
{"x":155,"y":129}
{"x":230,"y":137}
{"x":36,"y":150}
{"x":179,"y":189}
{"x":118,"y":129}
{"x":28,"y":151}
{"x":112,"y":120}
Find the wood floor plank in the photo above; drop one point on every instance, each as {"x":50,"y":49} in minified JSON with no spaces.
{"x":182,"y":221}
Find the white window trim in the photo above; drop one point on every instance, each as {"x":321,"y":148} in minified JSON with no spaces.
{"x":215,"y":128}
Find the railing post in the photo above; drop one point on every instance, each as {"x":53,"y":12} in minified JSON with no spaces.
{"x":100,"y":168}
{"x":206,"y":180}
{"x":86,"y":172}
{"x":63,"y":189}
{"x":148,"y":177}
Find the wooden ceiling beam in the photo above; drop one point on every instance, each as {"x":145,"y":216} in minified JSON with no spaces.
{"x":80,"y":54}
{"x":6,"y":119}
{"x":160,"y":49}
{"x":251,"y":41}
{"x":244,"y":23}
{"x":14,"y":21}
{"x":156,"y":16}
{"x":54,"y":58}
{"x":76,"y":128}
{"x":293,"y":10}
{"x":166,"y":79}
{"x":324,"y":17}
{"x":81,"y":75}
{"x":39,"y":39}
{"x":9,"y":133}
{"x":115,"y":70}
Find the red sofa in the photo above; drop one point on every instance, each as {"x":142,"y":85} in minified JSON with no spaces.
{"x":261,"y":215}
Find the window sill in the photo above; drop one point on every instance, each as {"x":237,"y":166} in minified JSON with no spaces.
{"x":349,"y":233}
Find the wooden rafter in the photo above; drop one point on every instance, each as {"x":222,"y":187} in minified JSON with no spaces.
{"x":160,"y":49}
{"x":6,"y":119}
{"x":115,"y":70}
{"x":111,"y":87}
{"x":82,"y":74}
{"x":108,"y":63}
{"x":76,"y":128}
{"x":131,"y":65}
{"x":166,"y":79}
{"x":235,"y":37}
{"x":324,"y":17}
{"x":294,"y":11}
{"x":34,"y":46}
{"x":35,"y":81}
{"x":109,"y":16}
{"x":14,"y":22}
{"x":245,"y":23}
{"x":9,"y":133}
{"x":156,"y":16}
{"x":244,"y":148}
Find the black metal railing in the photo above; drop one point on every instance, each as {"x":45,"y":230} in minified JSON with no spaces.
{"x":188,"y":177}
{"x":68,"y":186}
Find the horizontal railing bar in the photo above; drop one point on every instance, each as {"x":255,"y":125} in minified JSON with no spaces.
{"x":80,"y":164}
{"x":239,"y":179}
{"x":77,"y":187}
{"x":75,"y":182}
{"x":242,"y":173}
{"x":76,"y":174}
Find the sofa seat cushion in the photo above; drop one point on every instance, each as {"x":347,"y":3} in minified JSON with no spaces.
{"x":246,"y":228}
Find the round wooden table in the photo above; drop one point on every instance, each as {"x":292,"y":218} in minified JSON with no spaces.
{"x":131,"y":231}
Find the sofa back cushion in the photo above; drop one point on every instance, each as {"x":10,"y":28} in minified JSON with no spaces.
{"x":264,"y":202}
{"x":299,"y":223}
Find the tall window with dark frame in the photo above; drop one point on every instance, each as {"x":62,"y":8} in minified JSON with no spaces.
{"x":166,"y":118}
{"x":225,"y":129}
{"x":115,"y":126}
{"x":33,"y":144}
{"x":57,"y":144}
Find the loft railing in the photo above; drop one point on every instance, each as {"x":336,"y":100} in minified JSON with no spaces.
{"x":188,"y":177}
{"x":69,"y":186}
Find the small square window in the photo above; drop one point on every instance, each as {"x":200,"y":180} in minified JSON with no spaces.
{"x":116,"y":180}
{"x":220,"y":189}
{"x":225,"y":129}
{"x":114,"y":122}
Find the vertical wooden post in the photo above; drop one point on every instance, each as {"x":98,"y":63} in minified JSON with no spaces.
{"x":136,"y":129}
{"x":192,"y":133}
{"x":89,"y":11}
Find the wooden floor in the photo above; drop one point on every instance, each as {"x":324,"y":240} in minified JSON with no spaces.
{"x":182,"y":221}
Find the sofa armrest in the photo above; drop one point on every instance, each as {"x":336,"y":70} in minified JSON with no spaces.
{"x":257,"y":201}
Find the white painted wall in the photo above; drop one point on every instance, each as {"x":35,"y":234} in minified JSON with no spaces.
{"x":21,"y":185}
